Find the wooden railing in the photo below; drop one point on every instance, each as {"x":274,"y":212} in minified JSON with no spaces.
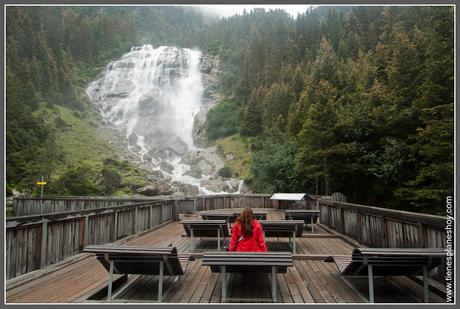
{"x":27,"y":206}
{"x":385,"y":228}
{"x":35,"y":241}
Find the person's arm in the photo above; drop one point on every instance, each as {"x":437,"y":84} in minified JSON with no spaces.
{"x":259,"y":236}
{"x":234,"y":239}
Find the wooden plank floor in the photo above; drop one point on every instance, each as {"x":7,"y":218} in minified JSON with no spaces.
{"x":311,"y":280}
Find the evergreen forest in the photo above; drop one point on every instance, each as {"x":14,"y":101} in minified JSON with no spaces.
{"x":357,"y":100}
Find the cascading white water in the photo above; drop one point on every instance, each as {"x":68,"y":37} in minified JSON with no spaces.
{"x":152,"y":95}
{"x":165,"y":80}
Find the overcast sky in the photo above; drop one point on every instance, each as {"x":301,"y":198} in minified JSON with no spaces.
{"x":229,"y":10}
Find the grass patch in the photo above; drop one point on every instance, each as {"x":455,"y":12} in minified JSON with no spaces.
{"x":236,"y":146}
{"x":78,"y":142}
{"x":77,"y":138}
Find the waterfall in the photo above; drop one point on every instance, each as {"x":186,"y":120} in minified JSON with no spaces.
{"x":152,"y":96}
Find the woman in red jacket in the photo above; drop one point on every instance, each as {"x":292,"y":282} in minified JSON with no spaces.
{"x":247,"y":233}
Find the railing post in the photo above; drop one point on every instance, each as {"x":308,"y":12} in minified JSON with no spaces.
{"x":175,"y":213}
{"x":86,"y":231}
{"x":386,"y":238}
{"x":150,"y":217}
{"x":135,"y":219}
{"x":342,"y":220}
{"x":359,"y":235}
{"x":421,"y":236}
{"x":161,"y":212}
{"x":44,"y":243}
{"x":115,"y":227}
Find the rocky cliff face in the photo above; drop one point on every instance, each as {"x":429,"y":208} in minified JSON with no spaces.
{"x":211,"y":96}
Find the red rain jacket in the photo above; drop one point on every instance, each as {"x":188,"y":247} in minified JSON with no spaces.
{"x":249,"y":243}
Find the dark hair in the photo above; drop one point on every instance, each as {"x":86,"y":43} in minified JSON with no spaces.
{"x":245,"y":219}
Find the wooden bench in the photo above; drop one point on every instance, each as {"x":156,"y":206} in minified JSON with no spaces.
{"x":307,"y":215}
{"x":229,"y":216}
{"x":372,"y":262}
{"x":248,"y":262}
{"x":143,"y":260}
{"x":283,"y":228}
{"x":206,"y":228}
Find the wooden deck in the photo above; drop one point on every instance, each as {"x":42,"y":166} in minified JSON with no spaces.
{"x":311,"y":280}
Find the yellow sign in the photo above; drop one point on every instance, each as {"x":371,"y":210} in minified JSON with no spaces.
{"x":41,"y":183}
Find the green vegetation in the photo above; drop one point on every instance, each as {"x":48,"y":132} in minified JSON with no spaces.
{"x":51,"y":129}
{"x":274,"y":165}
{"x":352,"y":99}
{"x":237,"y":147}
{"x":222,"y":120}
{"x":225,"y":172}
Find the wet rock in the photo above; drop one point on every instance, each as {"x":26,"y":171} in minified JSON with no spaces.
{"x":213,"y":158}
{"x":233,"y":184}
{"x":206,"y":64}
{"x":215,"y":184}
{"x":206,"y":167}
{"x":206,"y":159}
{"x":185,"y":189}
{"x":132,"y":139}
{"x":192,"y":157}
{"x":150,"y":104}
{"x":199,"y":127}
{"x":165,"y":148}
{"x":121,"y":89}
{"x":165,"y":154}
{"x":179,"y":146}
{"x":195,"y":172}
{"x":156,"y":174}
{"x":244,"y":189}
{"x":165,"y":166}
{"x":158,"y":187}
{"x":147,"y":157}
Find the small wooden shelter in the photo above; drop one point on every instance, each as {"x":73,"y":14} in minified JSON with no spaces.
{"x":293,"y":201}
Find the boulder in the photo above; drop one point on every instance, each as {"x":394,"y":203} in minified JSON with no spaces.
{"x":185,"y":189}
{"x":150,"y":104}
{"x":195,"y":172}
{"x":178,"y":146}
{"x":165,"y":166}
{"x":158,"y":187}
{"x":132,"y":139}
{"x":156,"y":174}
{"x":147,"y":157}
{"x":192,"y":157}
{"x":206,"y":167}
{"x":214,"y":184}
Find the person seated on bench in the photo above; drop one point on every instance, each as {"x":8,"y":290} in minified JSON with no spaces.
{"x":247,"y":235}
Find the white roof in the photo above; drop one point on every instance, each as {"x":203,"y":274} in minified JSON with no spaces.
{"x":288,"y":196}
